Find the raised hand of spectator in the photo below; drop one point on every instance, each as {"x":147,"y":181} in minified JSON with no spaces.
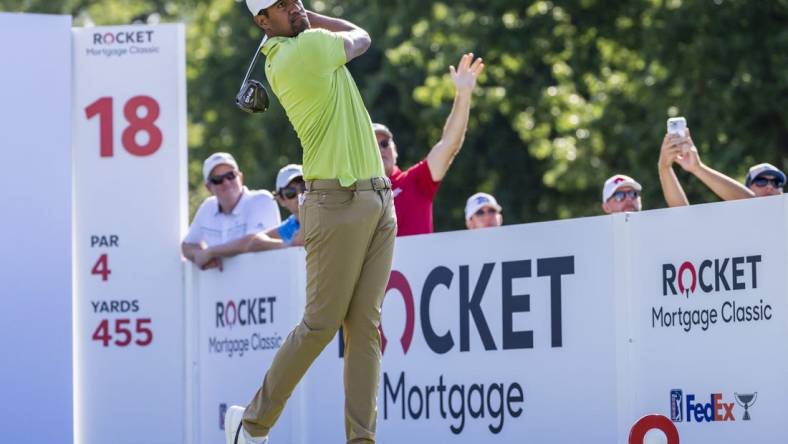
{"x":670,"y":151}
{"x":689,"y":159}
{"x":467,"y":73}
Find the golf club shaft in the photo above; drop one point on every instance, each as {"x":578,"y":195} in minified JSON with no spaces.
{"x":254,"y":61}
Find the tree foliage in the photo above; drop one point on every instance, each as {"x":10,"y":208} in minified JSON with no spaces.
{"x":574,"y":90}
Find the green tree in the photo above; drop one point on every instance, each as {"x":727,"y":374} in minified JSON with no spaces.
{"x":574,"y":91}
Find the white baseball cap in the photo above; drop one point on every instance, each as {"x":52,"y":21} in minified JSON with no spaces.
{"x":381,"y":128}
{"x":255,"y":6}
{"x":764,"y":168}
{"x":288,"y":173}
{"x":478,"y":201}
{"x":214,"y":161}
{"x":618,"y":181}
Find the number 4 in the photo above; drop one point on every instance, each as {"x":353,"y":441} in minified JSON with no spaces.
{"x":102,"y":333}
{"x":102,"y":268}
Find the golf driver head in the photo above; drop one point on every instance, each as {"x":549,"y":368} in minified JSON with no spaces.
{"x":253,"y":97}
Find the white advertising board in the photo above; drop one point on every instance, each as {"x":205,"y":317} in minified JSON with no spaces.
{"x":35,"y":230}
{"x":470,"y":358}
{"x":709,"y":316}
{"x":246,"y":312}
{"x":496,"y":335}
{"x":129,"y":142}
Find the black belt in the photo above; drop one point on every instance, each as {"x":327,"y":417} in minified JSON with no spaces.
{"x":373,"y":184}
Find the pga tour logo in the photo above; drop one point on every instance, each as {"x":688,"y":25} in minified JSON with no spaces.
{"x":692,"y":409}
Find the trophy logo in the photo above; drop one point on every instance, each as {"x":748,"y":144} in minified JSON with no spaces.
{"x":746,"y":400}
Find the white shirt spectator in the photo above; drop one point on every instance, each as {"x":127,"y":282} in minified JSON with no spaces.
{"x":256,"y":211}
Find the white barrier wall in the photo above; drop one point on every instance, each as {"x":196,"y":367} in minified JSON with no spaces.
{"x":484,"y":333}
{"x":245,"y":312}
{"x":709,"y":317}
{"x":551,"y":332}
{"x":35,"y":230}
{"x":129,"y":120}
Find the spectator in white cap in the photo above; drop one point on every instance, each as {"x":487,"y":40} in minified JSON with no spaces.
{"x":415,"y":188}
{"x":289,"y":186}
{"x":621,"y":194}
{"x":762,"y":180}
{"x":765,"y":179}
{"x":482,"y":211}
{"x":232,"y":212}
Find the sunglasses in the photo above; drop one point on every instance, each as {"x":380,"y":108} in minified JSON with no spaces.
{"x":292,"y":191}
{"x":384,"y":143}
{"x":486,"y":210}
{"x":621,"y":195}
{"x":761,"y":182}
{"x":217,"y":180}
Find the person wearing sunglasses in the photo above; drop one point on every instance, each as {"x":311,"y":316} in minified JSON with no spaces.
{"x":621,"y":194}
{"x":346,"y":217}
{"x":765,"y":179}
{"x":289,"y":187}
{"x":416,"y":187}
{"x":762,"y":180}
{"x":232,"y":212}
{"x":483,"y":211}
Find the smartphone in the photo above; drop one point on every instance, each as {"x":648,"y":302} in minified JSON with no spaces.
{"x":677,"y":126}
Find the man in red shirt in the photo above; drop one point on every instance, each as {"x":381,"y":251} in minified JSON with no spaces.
{"x":415,"y":188}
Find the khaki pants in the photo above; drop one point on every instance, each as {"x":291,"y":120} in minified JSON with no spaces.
{"x":349,"y":239}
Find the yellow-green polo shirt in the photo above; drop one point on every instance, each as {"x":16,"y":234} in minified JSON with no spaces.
{"x":308,"y":75}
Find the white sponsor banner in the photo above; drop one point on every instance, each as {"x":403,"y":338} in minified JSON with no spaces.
{"x":245,"y":313}
{"x":35,"y":230}
{"x":709,"y":312}
{"x":470,"y":358}
{"x":495,"y":335}
{"x":129,"y":142}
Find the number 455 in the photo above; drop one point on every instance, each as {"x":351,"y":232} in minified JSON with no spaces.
{"x":103,"y":335}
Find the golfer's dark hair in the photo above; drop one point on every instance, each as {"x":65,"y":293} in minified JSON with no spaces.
{"x":262,"y":12}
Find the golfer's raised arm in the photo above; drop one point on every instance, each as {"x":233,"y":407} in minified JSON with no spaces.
{"x":357,"y":40}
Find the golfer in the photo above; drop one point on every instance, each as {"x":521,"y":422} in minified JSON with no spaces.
{"x":347,"y":216}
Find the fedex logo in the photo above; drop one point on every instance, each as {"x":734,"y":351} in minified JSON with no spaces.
{"x":713,"y":411}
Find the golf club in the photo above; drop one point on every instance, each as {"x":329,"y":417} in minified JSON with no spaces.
{"x":253,"y":97}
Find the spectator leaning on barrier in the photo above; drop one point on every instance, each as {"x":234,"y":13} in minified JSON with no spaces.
{"x":415,"y":188}
{"x":230,"y":214}
{"x":621,"y":194}
{"x":289,"y":187}
{"x":762,"y":180}
{"x":482,"y":211}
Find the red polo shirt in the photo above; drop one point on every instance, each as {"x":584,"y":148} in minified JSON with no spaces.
{"x":414,"y":191}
